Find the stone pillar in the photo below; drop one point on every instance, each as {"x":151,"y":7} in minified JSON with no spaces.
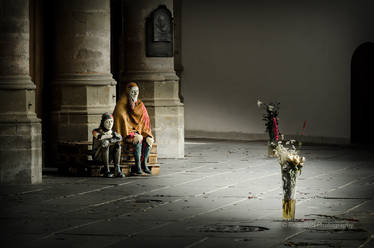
{"x":83,"y":87}
{"x":178,"y":66}
{"x":20,"y":129}
{"x":156,"y":78}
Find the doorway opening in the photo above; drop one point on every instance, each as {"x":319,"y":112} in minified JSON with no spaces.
{"x":362,"y":80}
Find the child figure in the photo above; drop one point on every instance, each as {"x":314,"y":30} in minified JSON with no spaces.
{"x":107,"y":145}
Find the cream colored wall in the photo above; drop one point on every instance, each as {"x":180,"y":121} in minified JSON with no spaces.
{"x":298,"y":54}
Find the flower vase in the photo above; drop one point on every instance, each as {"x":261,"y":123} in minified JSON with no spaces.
{"x":289,"y":177}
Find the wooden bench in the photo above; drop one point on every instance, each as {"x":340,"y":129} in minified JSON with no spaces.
{"x":76,"y":159}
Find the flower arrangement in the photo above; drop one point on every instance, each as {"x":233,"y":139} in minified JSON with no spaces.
{"x":271,"y":119}
{"x":271,"y":122}
{"x":289,"y":159}
{"x":291,"y":164}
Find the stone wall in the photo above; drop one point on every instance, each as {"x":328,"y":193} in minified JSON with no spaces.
{"x":295,"y":52}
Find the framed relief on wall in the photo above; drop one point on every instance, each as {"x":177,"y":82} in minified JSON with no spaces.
{"x":159,"y":33}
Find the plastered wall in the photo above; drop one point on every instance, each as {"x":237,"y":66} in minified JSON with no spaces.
{"x":295,"y":52}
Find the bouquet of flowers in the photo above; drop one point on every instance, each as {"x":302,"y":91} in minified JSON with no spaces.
{"x":289,"y":159}
{"x":291,"y":163}
{"x":271,"y":122}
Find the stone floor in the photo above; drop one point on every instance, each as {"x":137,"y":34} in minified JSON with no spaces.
{"x":222,"y":194}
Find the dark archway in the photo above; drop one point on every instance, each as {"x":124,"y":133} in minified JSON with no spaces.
{"x":362,"y":94}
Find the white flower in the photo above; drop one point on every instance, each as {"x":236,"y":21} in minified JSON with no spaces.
{"x":296,"y":160}
{"x":289,"y":158}
{"x":259,"y":103}
{"x":270,"y":107}
{"x":302,"y":160}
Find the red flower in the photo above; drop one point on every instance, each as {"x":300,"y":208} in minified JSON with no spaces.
{"x":276,"y":131}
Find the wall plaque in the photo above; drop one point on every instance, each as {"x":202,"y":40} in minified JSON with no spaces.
{"x":159,"y":33}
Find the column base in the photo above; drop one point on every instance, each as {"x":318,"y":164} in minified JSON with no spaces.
{"x":79,"y":101}
{"x":168,"y":130}
{"x":20,"y":149}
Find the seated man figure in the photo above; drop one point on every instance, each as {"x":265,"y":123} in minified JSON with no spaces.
{"x":131,"y":120}
{"x":106,"y":145}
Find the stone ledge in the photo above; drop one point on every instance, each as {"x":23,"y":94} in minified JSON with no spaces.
{"x":164,"y":102}
{"x":224,"y":135}
{"x":15,"y":118}
{"x":89,"y":79}
{"x":76,"y":159}
{"x":16,"y":82}
{"x":149,"y":76}
{"x":193,"y":134}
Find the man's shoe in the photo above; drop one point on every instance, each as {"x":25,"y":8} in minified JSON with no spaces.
{"x":120,"y":174}
{"x":118,"y":171}
{"x":147,"y":170}
{"x":108,"y":174}
{"x":137,"y":173}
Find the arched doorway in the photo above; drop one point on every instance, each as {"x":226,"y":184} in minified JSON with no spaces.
{"x":362,"y":94}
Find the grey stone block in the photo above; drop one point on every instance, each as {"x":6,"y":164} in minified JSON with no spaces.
{"x":21,"y":151}
{"x":13,"y":101}
{"x":8,"y":130}
{"x":20,"y":166}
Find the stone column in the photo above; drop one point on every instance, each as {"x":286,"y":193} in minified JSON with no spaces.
{"x":20,"y":129}
{"x":178,"y":66}
{"x":156,"y":78}
{"x":83,"y":87}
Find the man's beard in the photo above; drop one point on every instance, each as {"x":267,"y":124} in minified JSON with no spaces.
{"x":132,"y":103}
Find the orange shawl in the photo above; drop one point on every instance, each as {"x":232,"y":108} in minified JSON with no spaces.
{"x":127,"y":120}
